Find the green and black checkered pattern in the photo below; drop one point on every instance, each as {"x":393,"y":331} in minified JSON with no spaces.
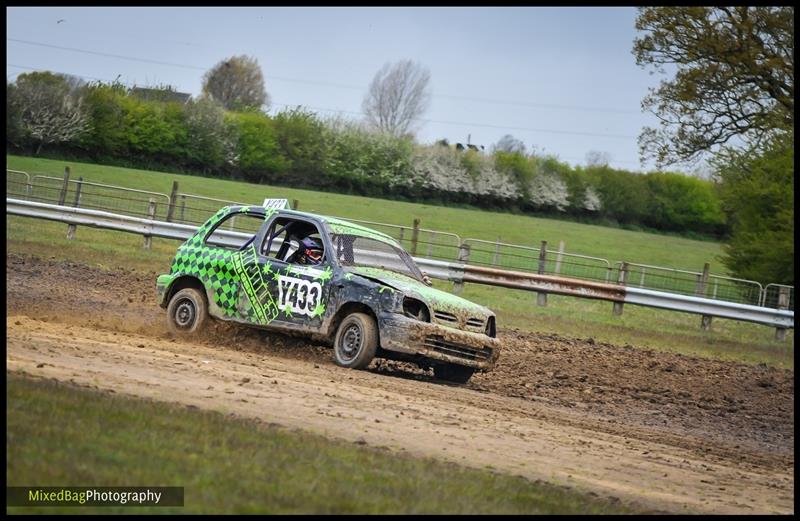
{"x":214,"y":266}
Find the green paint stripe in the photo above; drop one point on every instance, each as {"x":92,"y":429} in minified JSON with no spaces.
{"x":238,"y":265}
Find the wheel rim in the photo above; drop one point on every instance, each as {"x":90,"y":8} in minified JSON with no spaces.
{"x":185,"y":313}
{"x":351,"y":341}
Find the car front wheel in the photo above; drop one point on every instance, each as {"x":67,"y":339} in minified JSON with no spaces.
{"x":187,"y":312}
{"x":356,"y":341}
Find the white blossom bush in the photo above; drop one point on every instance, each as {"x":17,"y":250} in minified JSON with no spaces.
{"x":547,"y":190}
{"x":210,"y":140}
{"x":591,"y":200}
{"x":498,"y":184}
{"x":50,"y":108}
{"x":443,"y":168}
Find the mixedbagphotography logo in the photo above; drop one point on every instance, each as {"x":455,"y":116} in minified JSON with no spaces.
{"x":95,"y":496}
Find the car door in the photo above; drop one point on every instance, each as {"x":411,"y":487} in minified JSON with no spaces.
{"x":218,"y":259}
{"x":280,"y":293}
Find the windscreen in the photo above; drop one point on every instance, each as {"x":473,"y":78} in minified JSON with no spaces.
{"x":353,"y":250}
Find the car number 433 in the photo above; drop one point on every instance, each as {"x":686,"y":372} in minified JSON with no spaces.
{"x":301,"y":296}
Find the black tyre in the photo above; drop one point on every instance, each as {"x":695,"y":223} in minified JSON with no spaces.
{"x":187,"y":312}
{"x":453,"y":373}
{"x":356,"y":341}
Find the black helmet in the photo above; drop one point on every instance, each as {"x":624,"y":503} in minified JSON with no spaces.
{"x":310,"y":251}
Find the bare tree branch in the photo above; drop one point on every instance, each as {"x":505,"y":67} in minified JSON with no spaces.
{"x":509,"y":143}
{"x":397,"y":95}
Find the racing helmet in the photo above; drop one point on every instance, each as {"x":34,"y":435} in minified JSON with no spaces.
{"x":309,"y":252}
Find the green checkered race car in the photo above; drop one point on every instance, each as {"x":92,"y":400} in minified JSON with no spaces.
{"x":335,"y":281}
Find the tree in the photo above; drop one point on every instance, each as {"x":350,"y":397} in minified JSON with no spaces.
{"x":237,"y":84}
{"x":398,"y":95}
{"x":681,"y":202}
{"x":14,"y":134}
{"x":734,"y":79}
{"x":757,"y":195}
{"x":49,"y":107}
{"x":509,"y":143}
{"x":624,"y":195}
{"x":258,"y":152}
{"x":107,"y":105}
{"x":301,"y":140}
{"x":597,"y":158}
{"x":208,"y":136}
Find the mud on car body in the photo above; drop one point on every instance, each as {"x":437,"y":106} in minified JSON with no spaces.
{"x":366,"y":296}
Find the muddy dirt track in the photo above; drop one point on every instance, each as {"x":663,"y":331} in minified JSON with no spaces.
{"x":667,"y":432}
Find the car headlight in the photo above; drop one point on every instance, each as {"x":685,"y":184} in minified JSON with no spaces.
{"x":416,"y":309}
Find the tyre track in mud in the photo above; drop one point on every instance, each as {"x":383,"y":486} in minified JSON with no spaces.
{"x":649,"y":429}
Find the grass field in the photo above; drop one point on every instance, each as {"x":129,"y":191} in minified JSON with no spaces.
{"x":62,"y":435}
{"x":598,"y":241}
{"x":664,"y":330}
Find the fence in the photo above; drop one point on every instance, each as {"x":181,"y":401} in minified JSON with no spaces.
{"x":18,"y":183}
{"x":452,"y":271}
{"x":433,"y":244}
{"x":420,"y":242}
{"x":694,"y":283}
{"x":778,"y":296}
{"x":196,"y":209}
{"x":86,"y":194}
{"x":97,"y":196}
{"x":536,"y":260}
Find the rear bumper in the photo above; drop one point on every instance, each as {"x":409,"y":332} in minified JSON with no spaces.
{"x":404,"y":335}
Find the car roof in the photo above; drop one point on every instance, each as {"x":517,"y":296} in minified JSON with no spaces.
{"x":335,"y":224}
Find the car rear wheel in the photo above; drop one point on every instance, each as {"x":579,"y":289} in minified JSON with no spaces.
{"x":356,"y":341}
{"x":453,"y":373}
{"x":187,"y":312}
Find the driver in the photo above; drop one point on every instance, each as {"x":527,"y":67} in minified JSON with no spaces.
{"x":308,"y":253}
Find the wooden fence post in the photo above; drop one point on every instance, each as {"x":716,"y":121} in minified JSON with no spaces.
{"x":463,"y":256}
{"x":172,"y":196}
{"x":700,"y":291}
{"x":623,"y":278}
{"x":430,"y":244}
{"x":151,"y":214}
{"x":72,"y":228}
{"x":183,"y":208}
{"x":414,"y":237}
{"x":558,"y":257}
{"x":62,"y":197}
{"x":783,"y":303}
{"x":541,"y":297}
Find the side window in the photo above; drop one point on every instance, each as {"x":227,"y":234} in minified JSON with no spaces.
{"x":285,"y":239}
{"x":235,"y":231}
{"x":274,"y":238}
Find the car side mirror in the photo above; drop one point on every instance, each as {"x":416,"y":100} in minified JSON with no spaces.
{"x":426,"y":279}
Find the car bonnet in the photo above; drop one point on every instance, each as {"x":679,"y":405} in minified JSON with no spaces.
{"x":436,"y":299}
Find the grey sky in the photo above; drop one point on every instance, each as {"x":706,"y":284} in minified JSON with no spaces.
{"x":563,"y":80}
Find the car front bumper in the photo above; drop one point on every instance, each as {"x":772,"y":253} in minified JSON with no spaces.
{"x":405,"y":335}
{"x":163,"y":282}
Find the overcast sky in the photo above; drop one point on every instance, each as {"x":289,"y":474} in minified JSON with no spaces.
{"x":562,"y":80}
